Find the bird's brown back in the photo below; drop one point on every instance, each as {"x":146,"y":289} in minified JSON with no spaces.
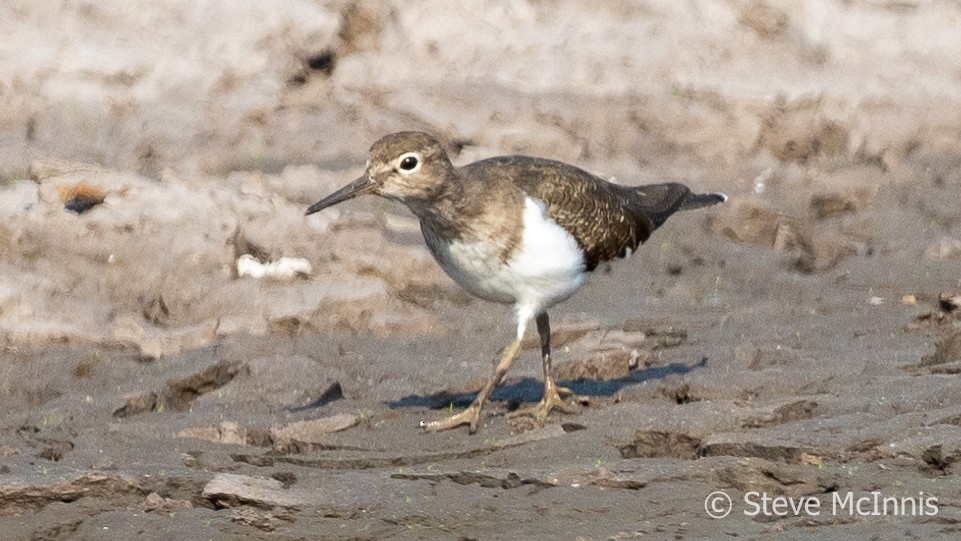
{"x":605,"y":219}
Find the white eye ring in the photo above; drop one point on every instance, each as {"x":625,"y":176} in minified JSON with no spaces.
{"x":409,"y":163}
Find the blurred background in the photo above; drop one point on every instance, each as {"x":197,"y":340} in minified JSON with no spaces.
{"x":211,"y":87}
{"x":196,"y":132}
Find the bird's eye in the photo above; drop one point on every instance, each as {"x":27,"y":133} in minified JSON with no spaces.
{"x":409,"y":163}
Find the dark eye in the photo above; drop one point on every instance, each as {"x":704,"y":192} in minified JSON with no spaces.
{"x":408,"y":163}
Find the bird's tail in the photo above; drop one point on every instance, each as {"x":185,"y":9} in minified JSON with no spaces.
{"x":697,"y":200}
{"x":658,"y":201}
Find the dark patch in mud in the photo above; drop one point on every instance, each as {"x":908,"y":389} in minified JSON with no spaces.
{"x":510,"y":481}
{"x":181,"y":392}
{"x":657,"y":443}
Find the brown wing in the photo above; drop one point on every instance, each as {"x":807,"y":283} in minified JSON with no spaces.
{"x":606,"y":219}
{"x":594,"y":211}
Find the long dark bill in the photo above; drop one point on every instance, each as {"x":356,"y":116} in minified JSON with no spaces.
{"x":358,"y":187}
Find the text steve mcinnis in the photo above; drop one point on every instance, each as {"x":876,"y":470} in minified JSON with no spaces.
{"x":868,"y":504}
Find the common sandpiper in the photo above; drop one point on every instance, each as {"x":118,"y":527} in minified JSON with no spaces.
{"x":515,"y":230}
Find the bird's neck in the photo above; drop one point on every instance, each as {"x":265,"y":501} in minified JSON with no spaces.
{"x":442,"y":203}
{"x":444,"y":212}
{"x":470,"y":210}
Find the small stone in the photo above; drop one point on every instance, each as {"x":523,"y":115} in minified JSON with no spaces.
{"x":232,"y":490}
{"x":311,"y":431}
{"x":157,"y":503}
{"x":134,"y":404}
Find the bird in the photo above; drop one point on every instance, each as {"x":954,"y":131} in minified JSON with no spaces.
{"x":515,"y":230}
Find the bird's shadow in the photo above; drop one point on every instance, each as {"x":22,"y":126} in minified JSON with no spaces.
{"x":531,"y":390}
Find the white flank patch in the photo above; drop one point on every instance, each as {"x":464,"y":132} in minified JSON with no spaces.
{"x":548,"y":265}
{"x":544,"y":269}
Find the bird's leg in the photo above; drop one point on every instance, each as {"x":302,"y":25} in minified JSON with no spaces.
{"x":552,"y":392}
{"x":471,"y":415}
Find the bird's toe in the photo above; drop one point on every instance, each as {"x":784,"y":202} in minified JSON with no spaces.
{"x":470,"y":416}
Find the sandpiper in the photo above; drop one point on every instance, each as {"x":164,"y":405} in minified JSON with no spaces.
{"x":516,"y":230}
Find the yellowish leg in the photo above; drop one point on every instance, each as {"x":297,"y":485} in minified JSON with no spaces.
{"x":471,"y":415}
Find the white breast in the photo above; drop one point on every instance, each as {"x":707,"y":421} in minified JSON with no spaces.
{"x":545,"y":268}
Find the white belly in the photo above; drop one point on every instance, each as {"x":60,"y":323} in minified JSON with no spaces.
{"x":545,"y":268}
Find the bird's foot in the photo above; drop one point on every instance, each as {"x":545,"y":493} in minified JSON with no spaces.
{"x":552,"y":400}
{"x":470,"y":416}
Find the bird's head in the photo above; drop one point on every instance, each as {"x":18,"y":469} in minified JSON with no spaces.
{"x":411,"y":167}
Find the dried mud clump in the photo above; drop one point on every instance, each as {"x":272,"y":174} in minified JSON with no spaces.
{"x":605,"y":366}
{"x":768,"y":21}
{"x":181,"y":392}
{"x":797,"y":132}
{"x":946,"y":351}
{"x":827,"y":205}
{"x":661,"y":444}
